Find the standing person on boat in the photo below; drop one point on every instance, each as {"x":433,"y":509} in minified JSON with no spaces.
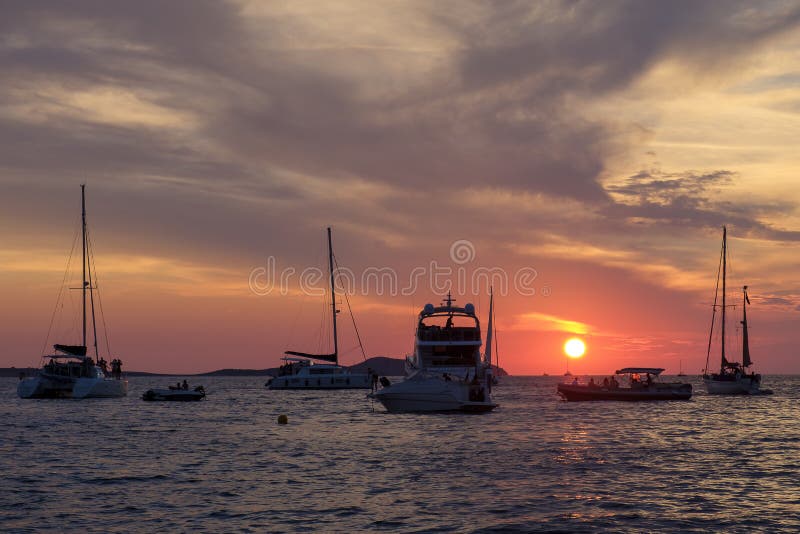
{"x":185,"y":384}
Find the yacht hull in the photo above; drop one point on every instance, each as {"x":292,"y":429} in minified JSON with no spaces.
{"x":433,"y":395}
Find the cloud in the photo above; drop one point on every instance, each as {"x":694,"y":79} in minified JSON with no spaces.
{"x":695,"y":201}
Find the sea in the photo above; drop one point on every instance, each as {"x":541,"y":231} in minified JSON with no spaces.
{"x":342,"y":464}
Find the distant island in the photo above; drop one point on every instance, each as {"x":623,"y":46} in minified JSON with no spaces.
{"x":382,"y":365}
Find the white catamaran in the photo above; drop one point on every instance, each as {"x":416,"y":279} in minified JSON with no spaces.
{"x":299,"y":372}
{"x":733,"y":378}
{"x":69,"y":371}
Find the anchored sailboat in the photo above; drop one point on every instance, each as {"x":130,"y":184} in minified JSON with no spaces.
{"x":70,"y":373}
{"x":732,"y":378}
{"x":298,"y":371}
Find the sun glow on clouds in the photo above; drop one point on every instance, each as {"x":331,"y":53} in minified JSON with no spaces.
{"x":533,"y":321}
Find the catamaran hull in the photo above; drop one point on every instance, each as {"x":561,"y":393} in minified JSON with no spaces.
{"x":41,"y":387}
{"x":354,"y":381}
{"x":585,"y":393}
{"x":742,"y":386}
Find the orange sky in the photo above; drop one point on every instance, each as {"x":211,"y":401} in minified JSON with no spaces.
{"x":601,"y":149}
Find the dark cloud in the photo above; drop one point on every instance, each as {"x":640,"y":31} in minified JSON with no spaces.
{"x":690,"y":200}
{"x":268,"y":101}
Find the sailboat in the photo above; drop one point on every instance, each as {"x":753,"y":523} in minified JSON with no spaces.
{"x":300,"y":372}
{"x":732,"y":378}
{"x":680,"y":368}
{"x":69,"y":371}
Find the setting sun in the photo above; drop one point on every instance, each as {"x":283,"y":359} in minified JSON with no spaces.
{"x":574,"y":348}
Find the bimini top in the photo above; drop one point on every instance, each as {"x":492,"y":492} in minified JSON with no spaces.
{"x":640,"y":370}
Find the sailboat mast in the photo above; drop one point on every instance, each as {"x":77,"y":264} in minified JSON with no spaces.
{"x":724,"y":272}
{"x":333,"y":297}
{"x":83,"y":256}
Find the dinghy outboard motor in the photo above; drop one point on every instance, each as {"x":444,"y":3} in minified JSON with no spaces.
{"x":385,"y":382}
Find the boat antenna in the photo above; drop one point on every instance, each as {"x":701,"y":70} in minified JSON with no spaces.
{"x":333,"y":298}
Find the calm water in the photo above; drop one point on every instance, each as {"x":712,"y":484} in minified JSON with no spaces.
{"x":341,"y":464}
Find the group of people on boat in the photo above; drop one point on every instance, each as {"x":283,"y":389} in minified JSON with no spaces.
{"x":287,"y":369}
{"x":179,"y":386}
{"x":608,"y":382}
{"x":116,"y":367}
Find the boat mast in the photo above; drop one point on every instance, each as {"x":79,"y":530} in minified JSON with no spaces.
{"x":333,"y":298}
{"x":724,"y":272}
{"x":83,"y":256}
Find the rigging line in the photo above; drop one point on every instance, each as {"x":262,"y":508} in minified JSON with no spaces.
{"x":60,"y":292}
{"x":91,"y":293}
{"x":99,"y":298}
{"x":714,"y":312}
{"x":352,"y":315}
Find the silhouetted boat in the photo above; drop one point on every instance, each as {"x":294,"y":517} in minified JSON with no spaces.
{"x":680,"y":368}
{"x":70,"y":372}
{"x":638,"y":389}
{"x":732,"y":378}
{"x":299,"y":372}
{"x":447,"y":372}
{"x":175,"y":394}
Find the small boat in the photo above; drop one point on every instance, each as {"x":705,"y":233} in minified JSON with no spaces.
{"x":680,"y":368}
{"x":642,"y":386}
{"x":301,"y":373}
{"x":175,"y":394}
{"x":445,"y":356}
{"x":70,"y":372}
{"x":732,"y":378}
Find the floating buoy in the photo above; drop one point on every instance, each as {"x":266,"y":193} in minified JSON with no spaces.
{"x":282,"y":419}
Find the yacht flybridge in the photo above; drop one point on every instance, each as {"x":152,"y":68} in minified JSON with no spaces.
{"x":69,"y":371}
{"x":446,"y":371}
{"x":733,"y":377}
{"x":299,"y":371}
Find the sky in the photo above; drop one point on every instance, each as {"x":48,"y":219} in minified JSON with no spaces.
{"x":584,"y":156}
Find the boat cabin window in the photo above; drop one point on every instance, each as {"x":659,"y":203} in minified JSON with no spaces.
{"x":449,"y":355}
{"x":448,"y":328}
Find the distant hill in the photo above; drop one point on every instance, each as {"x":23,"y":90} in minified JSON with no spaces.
{"x":382,"y":365}
{"x":6,"y":372}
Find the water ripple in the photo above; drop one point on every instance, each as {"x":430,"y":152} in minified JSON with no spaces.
{"x":534,"y":465}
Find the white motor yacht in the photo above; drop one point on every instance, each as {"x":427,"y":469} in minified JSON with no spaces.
{"x":446,"y":370}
